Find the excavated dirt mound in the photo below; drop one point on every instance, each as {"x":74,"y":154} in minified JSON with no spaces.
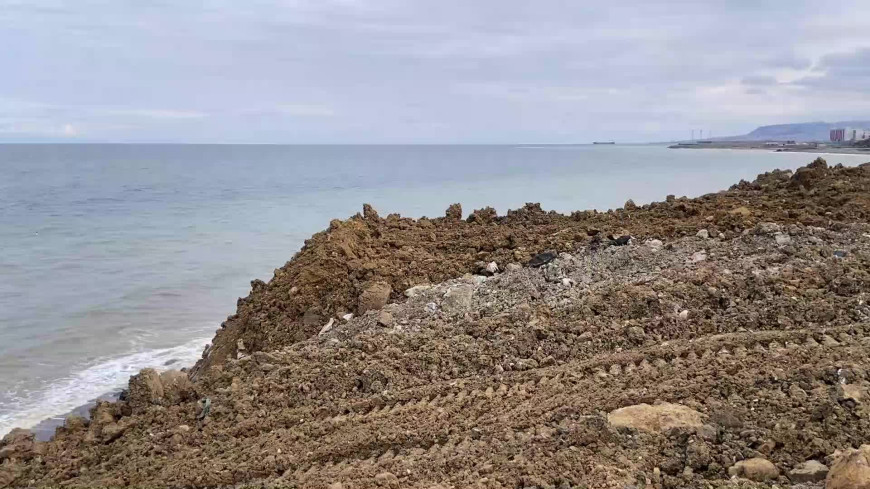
{"x":729,"y":337}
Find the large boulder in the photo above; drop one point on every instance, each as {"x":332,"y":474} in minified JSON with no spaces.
{"x":656,"y":418}
{"x":755,"y":469}
{"x":149,"y":387}
{"x":374,"y":296}
{"x":851,"y":470}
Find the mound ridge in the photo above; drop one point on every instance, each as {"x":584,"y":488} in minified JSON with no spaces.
{"x":741,"y":350}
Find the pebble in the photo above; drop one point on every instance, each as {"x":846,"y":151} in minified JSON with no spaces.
{"x":698,"y":257}
{"x":348,"y":316}
{"x":542,"y":259}
{"x":512,"y":267}
{"x":492,"y":267}
{"x":703,"y":234}
{"x":684,"y":314}
{"x":567,"y":282}
{"x":840,"y":254}
{"x":782,"y":239}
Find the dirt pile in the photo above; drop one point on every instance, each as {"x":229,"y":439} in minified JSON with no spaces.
{"x":673,"y":358}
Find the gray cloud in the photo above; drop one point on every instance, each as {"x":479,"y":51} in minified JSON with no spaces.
{"x":421,"y":71}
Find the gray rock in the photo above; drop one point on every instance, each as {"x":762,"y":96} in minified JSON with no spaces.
{"x":417,"y":290}
{"x":703,"y":234}
{"x":492,"y":268}
{"x":698,"y":257}
{"x":654,"y":244}
{"x":809,"y":471}
{"x":512,"y":267}
{"x":457,"y":299}
{"x":782,"y":239}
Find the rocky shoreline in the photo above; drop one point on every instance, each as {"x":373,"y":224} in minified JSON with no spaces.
{"x":709,"y":342}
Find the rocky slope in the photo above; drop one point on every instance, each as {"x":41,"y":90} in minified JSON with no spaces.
{"x":726,"y":342}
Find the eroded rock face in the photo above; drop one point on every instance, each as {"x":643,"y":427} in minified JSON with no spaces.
{"x":851,"y":470}
{"x":374,"y":297}
{"x":755,"y":469}
{"x":658,"y":418}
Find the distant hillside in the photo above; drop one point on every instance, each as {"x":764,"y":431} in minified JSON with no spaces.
{"x":804,"y":131}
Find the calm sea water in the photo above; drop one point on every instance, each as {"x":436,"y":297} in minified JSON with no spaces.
{"x":117,"y":257}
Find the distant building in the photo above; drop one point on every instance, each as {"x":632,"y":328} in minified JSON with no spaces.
{"x":849,"y":134}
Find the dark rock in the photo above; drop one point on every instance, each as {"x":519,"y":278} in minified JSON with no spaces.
{"x":542,"y":259}
{"x":621,"y":241}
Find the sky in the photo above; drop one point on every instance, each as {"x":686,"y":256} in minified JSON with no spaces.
{"x":415,"y":71}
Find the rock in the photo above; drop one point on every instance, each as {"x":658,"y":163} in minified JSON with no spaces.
{"x":17,"y":444}
{"x":542,"y":259}
{"x":840,"y":254}
{"x":782,"y":239}
{"x":850,"y":392}
{"x":483,"y":216}
{"x":454,"y":212}
{"x":167,"y":388}
{"x":684,"y":314}
{"x":698,"y":257}
{"x":327,"y":328}
{"x":417,"y":290}
{"x":698,"y":455}
{"x":457,"y":299}
{"x":385,"y":319}
{"x":347,"y":317}
{"x":145,"y":389}
{"x":177,"y":387}
{"x":622,"y":240}
{"x":113,"y":431}
{"x":387,"y":479}
{"x":703,"y":234}
{"x":567,"y":282}
{"x":629,"y":205}
{"x":335,"y":485}
{"x":635,"y":333}
{"x":767,"y":228}
{"x":512,"y":267}
{"x":656,"y":418}
{"x":369,"y":213}
{"x":294,"y":290}
{"x":809,"y":471}
{"x":755,"y":469}
{"x":492,"y":268}
{"x":851,"y":470}
{"x":654,"y":244}
{"x":374,"y":296}
{"x":740,"y":211}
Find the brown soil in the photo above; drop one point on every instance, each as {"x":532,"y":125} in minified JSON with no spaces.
{"x":752,"y":343}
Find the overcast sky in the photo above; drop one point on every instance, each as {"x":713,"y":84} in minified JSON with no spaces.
{"x":406,"y":71}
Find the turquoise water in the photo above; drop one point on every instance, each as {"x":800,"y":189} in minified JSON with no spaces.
{"x":117,"y":257}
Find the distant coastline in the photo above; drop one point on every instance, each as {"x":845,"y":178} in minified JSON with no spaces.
{"x":774,"y":146}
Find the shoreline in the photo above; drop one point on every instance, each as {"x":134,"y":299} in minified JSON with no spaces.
{"x":390,"y":343}
{"x":777,"y":147}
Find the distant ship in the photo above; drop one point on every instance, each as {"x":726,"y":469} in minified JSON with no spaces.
{"x":603,"y":142}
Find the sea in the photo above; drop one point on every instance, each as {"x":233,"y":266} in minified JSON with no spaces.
{"x":118,"y":257}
